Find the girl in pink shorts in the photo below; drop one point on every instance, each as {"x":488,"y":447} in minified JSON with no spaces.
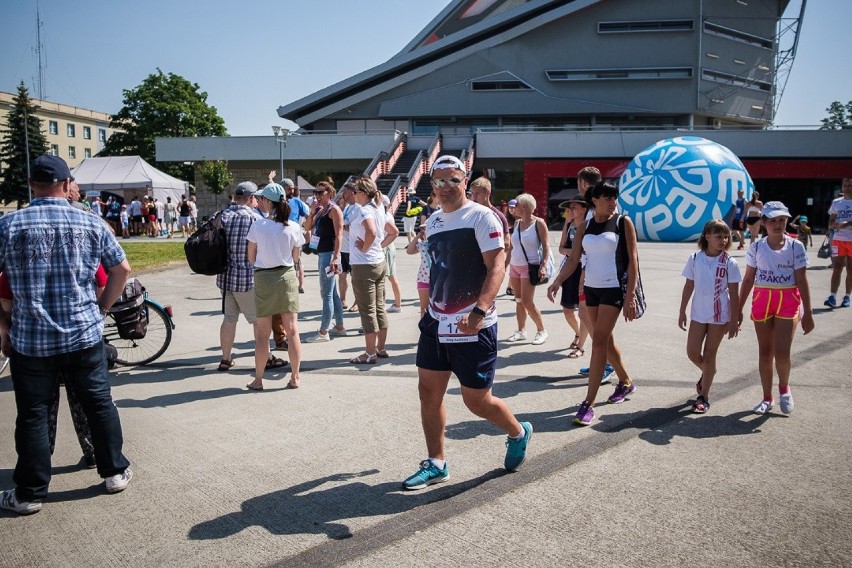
{"x":776,"y":268}
{"x":421,"y":246}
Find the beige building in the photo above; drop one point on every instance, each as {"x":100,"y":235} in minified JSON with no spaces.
{"x":72,"y":133}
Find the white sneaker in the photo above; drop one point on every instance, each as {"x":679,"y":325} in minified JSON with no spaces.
{"x":540,"y":337}
{"x":317,"y":338}
{"x":10,"y":502}
{"x":334,"y":332}
{"x":787,"y":403}
{"x":517,"y":336}
{"x":394,"y":309}
{"x":118,"y":482}
{"x":764,"y":406}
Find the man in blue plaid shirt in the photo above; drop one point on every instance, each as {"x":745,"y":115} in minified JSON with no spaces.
{"x":50,"y":252}
{"x":237,"y":282}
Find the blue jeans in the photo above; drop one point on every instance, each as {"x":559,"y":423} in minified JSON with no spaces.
{"x":35,"y":380}
{"x":331,"y":302}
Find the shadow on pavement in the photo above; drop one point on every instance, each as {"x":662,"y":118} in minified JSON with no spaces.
{"x":303,"y":509}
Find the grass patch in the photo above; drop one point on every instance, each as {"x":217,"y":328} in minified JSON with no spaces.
{"x":146,"y":256}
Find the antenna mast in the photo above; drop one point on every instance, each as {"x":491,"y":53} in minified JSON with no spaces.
{"x":40,"y":52}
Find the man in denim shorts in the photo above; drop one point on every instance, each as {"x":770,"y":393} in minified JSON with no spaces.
{"x":458,"y":332}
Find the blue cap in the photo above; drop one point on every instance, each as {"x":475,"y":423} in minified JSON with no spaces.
{"x":273,"y":192}
{"x":48,"y":168}
{"x":772,"y":209}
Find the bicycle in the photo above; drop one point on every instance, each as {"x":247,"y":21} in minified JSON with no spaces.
{"x":144,"y":350}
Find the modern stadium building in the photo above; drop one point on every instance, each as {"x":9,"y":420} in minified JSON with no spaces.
{"x":529,"y":91}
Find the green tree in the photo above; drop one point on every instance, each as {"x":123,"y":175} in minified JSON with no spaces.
{"x":216,"y":175}
{"x":165,"y":105}
{"x":839,"y":116}
{"x":13,"y":148}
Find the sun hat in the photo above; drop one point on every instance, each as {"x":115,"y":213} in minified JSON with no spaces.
{"x":772,"y":209}
{"x":273,"y":192}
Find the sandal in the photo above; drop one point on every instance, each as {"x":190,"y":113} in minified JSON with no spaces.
{"x":382,"y":354}
{"x":275,"y":362}
{"x":226,"y":364}
{"x":353,"y":308}
{"x":574,"y":344}
{"x":293,"y":384}
{"x":576,"y":352}
{"x":364,"y":359}
{"x":250,"y":387}
{"x":701,"y":405}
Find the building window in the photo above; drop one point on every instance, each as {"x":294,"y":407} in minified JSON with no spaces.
{"x":87,"y":152}
{"x":646,"y":26}
{"x":499,"y":86}
{"x":635,"y":73}
{"x":53,"y":127}
{"x":736,"y":81}
{"x":87,"y":133}
{"x":70,"y":130}
{"x":736,"y":35}
{"x":72,"y":152}
{"x":54,"y":149}
{"x":101,"y":134}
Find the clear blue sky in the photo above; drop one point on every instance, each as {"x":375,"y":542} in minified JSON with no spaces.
{"x":253,"y":56}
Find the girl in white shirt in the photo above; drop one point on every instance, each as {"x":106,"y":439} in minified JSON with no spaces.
{"x":776,"y":267}
{"x":273,"y":248}
{"x":714,"y":276}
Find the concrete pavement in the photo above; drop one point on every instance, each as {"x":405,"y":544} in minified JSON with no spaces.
{"x":310,"y":477}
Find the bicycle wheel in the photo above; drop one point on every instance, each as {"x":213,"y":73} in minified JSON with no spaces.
{"x":149,"y":348}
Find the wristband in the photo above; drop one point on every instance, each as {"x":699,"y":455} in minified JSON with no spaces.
{"x":478,"y":311}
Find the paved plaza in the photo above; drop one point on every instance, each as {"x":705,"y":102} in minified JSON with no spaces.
{"x":311,"y":477}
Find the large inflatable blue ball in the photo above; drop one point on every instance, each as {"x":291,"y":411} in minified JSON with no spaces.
{"x":671,"y":189}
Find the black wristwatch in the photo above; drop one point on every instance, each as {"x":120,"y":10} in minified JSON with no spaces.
{"x":478,"y":311}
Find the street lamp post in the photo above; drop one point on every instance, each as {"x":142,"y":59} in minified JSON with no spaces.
{"x":281,"y":135}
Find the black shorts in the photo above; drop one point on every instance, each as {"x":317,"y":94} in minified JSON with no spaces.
{"x":136,"y":218}
{"x":752,"y":220}
{"x":604,"y":297}
{"x":571,"y":291}
{"x":473,"y":363}
{"x":737,"y":224}
{"x":344,"y":263}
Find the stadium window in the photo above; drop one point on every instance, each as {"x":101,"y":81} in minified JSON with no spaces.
{"x":728,"y":79}
{"x":645,"y":26}
{"x":87,"y":133}
{"x":53,"y":127}
{"x":54,"y":149}
{"x":736,"y":35}
{"x":101,"y":135}
{"x":87,"y":152}
{"x":619,"y":74}
{"x":499,"y":86}
{"x":70,"y":130}
{"x":72,"y":152}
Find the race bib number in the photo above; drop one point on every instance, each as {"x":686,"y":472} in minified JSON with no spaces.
{"x":448,"y":330}
{"x":314,"y":242}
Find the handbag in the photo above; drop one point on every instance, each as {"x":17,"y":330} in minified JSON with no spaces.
{"x":621,"y":263}
{"x":824,"y":249}
{"x":534,"y":275}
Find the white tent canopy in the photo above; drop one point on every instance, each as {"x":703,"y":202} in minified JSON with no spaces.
{"x":127,"y":176}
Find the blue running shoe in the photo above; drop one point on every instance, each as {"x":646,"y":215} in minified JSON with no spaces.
{"x":831,"y":302}
{"x":428,"y":474}
{"x":845,"y":303}
{"x":585,"y":415}
{"x":516,"y":450}
{"x":621,"y":393}
{"x":608,"y":370}
{"x":607,"y":376}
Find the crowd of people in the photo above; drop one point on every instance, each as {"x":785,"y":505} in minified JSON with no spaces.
{"x":466,"y":246}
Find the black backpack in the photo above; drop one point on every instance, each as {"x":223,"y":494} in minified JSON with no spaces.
{"x":207,"y":249}
{"x":129,"y":311}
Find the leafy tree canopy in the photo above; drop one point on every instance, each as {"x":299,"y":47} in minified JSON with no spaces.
{"x":216,"y":175}
{"x":22,"y":127}
{"x":839,"y":116}
{"x":165,"y":105}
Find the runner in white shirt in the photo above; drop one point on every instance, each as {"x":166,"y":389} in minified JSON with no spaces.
{"x":714,"y":277}
{"x":840,"y":220}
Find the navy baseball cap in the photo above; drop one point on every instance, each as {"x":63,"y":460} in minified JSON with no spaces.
{"x":48,"y":168}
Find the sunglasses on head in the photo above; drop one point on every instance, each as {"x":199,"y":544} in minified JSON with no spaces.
{"x":440,"y":183}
